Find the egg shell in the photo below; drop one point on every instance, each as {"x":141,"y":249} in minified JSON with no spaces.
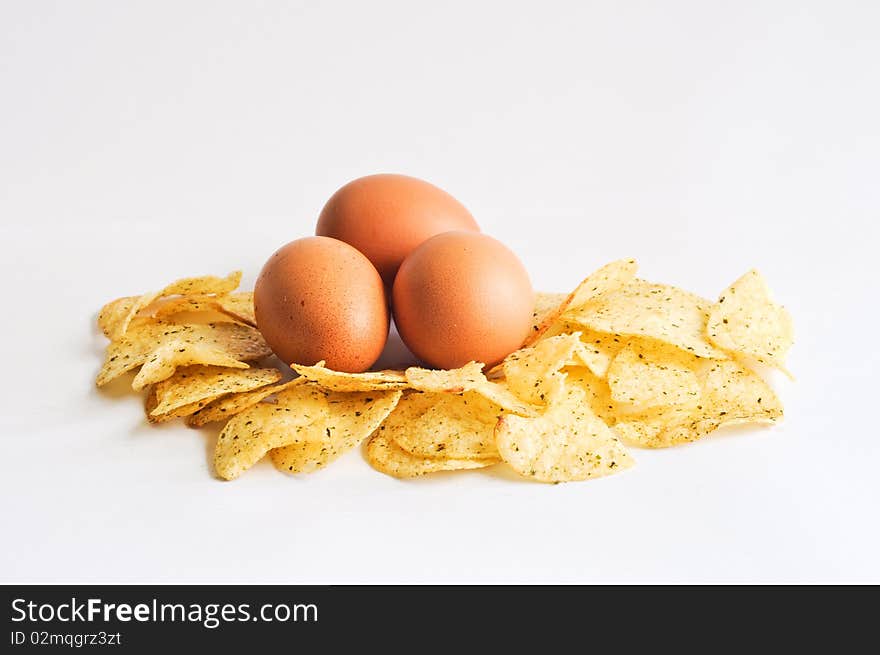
{"x":387,"y":216}
{"x":319,"y":298}
{"x":461,"y":297}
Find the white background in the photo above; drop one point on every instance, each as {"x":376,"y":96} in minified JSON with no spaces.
{"x":144,"y":141}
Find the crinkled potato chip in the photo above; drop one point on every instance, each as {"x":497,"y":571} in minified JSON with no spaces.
{"x":459,"y":426}
{"x":386,"y":456}
{"x":606,"y":279}
{"x":201,"y":384}
{"x":747,"y":321}
{"x":569,"y":442}
{"x":227,"y":406}
{"x":533,"y":373}
{"x":366,"y":411}
{"x":641,"y":379}
{"x":657,"y":311}
{"x":207,"y":284}
{"x":161,"y":347}
{"x":319,"y":424}
{"x":341,"y":381}
{"x":730,"y":394}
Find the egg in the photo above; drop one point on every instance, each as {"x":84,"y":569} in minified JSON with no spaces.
{"x":319,"y":298}
{"x":387,"y":216}
{"x":462,"y":296}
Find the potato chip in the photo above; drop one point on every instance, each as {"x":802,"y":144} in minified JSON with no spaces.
{"x":114,"y":313}
{"x":168,"y":307}
{"x":386,"y":456}
{"x":500,"y":394}
{"x":319,"y":424}
{"x":745,"y":320}
{"x":545,"y":305}
{"x":606,"y":279}
{"x":459,"y":426}
{"x":642,"y":378}
{"x":598,"y":348}
{"x":597,"y":393}
{"x":207,"y":284}
{"x":730,"y":394}
{"x":161,"y":347}
{"x":470,"y":376}
{"x":667,"y":314}
{"x":198,"y":385}
{"x":239,"y":306}
{"x":341,"y":381}
{"x":646,"y":430}
{"x":152,"y":402}
{"x":316,"y":448}
{"x":569,"y":442}
{"x":165,"y":360}
{"x":227,"y":406}
{"x":533,"y":373}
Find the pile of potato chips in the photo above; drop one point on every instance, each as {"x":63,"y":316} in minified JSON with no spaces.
{"x":618,"y":362}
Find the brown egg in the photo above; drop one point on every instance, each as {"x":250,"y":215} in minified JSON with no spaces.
{"x":319,"y":298}
{"x":387,"y":216}
{"x":462,"y":296}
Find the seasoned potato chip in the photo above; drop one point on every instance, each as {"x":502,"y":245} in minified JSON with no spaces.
{"x":459,"y":426}
{"x":745,"y":320}
{"x":667,"y":314}
{"x":239,"y":306}
{"x":597,"y":393}
{"x":500,"y":394}
{"x":163,"y":309}
{"x":642,"y":378}
{"x":340,"y":381}
{"x":387,"y":457}
{"x":470,"y":376}
{"x":198,"y":385}
{"x":598,"y":349}
{"x":730,"y":394}
{"x":229,"y":405}
{"x":533,"y":373}
{"x":319,"y":424}
{"x":569,"y":442}
{"x":545,"y":305}
{"x":315,"y":448}
{"x":606,"y":279}
{"x":152,"y":402}
{"x":161,"y":347}
{"x":207,"y":284}
{"x":165,"y":360}
{"x":114,"y":313}
{"x":647,"y":429}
